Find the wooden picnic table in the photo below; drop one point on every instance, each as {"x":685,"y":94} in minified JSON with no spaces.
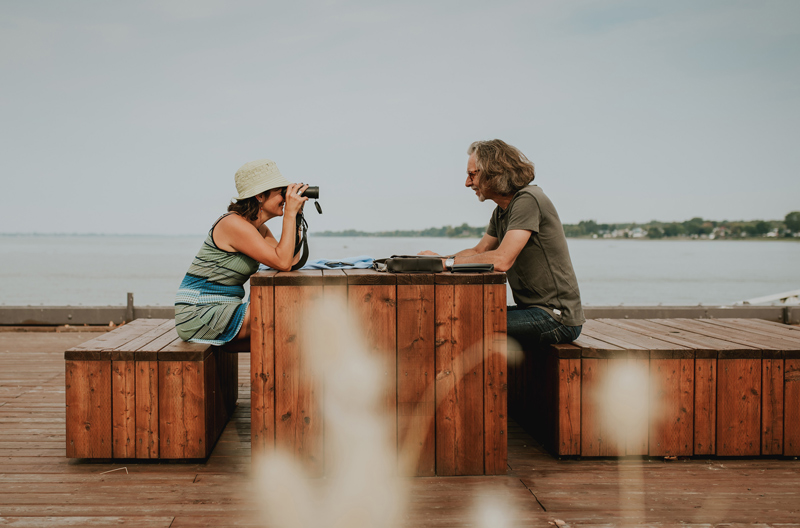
{"x":444,"y":329}
{"x":725,"y":387}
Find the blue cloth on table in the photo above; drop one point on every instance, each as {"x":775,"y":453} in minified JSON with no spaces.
{"x":359,"y":262}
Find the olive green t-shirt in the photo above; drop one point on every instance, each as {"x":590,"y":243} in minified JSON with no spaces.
{"x":542,"y":276}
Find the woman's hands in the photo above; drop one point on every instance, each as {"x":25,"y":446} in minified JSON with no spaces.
{"x":294,"y":199}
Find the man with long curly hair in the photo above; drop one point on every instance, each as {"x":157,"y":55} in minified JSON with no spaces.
{"x":526,"y":240}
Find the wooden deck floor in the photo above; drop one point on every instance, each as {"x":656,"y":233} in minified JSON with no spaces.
{"x":40,"y":487}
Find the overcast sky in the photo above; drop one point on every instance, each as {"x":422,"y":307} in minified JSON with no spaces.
{"x":132,"y":117}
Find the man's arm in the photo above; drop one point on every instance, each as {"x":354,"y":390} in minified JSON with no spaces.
{"x":485,"y":244}
{"x":502,"y":257}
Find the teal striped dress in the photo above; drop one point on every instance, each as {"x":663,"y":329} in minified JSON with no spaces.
{"x":209,"y":306}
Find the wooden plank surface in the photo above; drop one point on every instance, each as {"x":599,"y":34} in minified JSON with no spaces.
{"x":298,"y":399}
{"x":599,"y":435}
{"x":568,"y":438}
{"x":629,"y":417}
{"x":495,"y":380}
{"x":334,"y":292}
{"x":772,"y":380}
{"x":672,"y":407}
{"x":262,"y":369}
{"x":182,"y":420}
{"x":459,"y":379}
{"x":146,"y":409}
{"x":51,"y":490}
{"x":739,"y":330}
{"x":111,"y":340}
{"x":416,"y":400}
{"x":696,"y":327}
{"x":180,"y":350}
{"x":621,"y":338}
{"x":636,"y":387}
{"x":123,"y":409}
{"x":738,"y":407}
{"x":369,"y":277}
{"x":88,"y":409}
{"x":298,"y":278}
{"x":127,"y":351}
{"x":374,"y":308}
{"x":212,"y":398}
{"x":705,"y":406}
{"x":791,"y":418}
{"x":679,"y":336}
{"x":149,"y":351}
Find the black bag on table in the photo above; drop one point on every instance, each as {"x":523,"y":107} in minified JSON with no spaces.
{"x":423,"y":264}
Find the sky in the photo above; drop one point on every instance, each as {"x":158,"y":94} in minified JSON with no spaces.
{"x":133,"y":117}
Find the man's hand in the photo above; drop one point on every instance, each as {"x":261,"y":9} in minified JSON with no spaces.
{"x":428,"y":252}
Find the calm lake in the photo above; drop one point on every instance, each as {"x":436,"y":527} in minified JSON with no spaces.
{"x":99,"y":270}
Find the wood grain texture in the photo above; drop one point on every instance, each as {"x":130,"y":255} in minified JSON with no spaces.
{"x":299,"y":278}
{"x":416,"y":401}
{"x":180,"y":350}
{"x":772,"y":380}
{"x":459,"y":379}
{"x":146,"y":409}
{"x":262,"y":370}
{"x":334,"y":291}
{"x":568,"y":437}
{"x":495,"y":382}
{"x":212,"y":397}
{"x":149,"y":351}
{"x":602,"y":423}
{"x":791,"y":416}
{"x":123,"y":409}
{"x":768,"y":341}
{"x":671,"y":407}
{"x":374,"y":308}
{"x":738,"y":407}
{"x":369,"y":277}
{"x":705,"y":406}
{"x":182,"y":409}
{"x":595,"y":439}
{"x":101,"y":347}
{"x":298,"y":398}
{"x":88,"y":412}
{"x":635,"y":385}
{"x":127,"y":351}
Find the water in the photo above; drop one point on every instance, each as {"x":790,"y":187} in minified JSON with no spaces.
{"x":99,"y":270}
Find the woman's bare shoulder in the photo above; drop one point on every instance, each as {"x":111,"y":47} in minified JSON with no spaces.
{"x":229,"y":229}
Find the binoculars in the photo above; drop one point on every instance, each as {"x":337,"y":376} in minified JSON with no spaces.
{"x":311,"y":192}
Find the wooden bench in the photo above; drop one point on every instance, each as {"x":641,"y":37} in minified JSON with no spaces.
{"x":141,"y":392}
{"x":724,"y":387}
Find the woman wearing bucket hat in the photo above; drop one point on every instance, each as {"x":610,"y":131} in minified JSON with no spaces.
{"x":209,"y":306}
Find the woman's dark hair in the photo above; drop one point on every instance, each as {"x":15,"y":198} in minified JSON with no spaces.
{"x":248,"y":207}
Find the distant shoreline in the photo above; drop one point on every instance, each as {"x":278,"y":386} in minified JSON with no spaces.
{"x":328,"y":234}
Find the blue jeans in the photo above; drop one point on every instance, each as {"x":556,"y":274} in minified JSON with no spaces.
{"x":535,"y":326}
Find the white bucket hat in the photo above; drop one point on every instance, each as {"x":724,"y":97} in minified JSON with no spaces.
{"x":258,"y":176}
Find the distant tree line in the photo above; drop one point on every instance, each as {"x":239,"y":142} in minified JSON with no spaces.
{"x":695,"y":228}
{"x":462,"y":231}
